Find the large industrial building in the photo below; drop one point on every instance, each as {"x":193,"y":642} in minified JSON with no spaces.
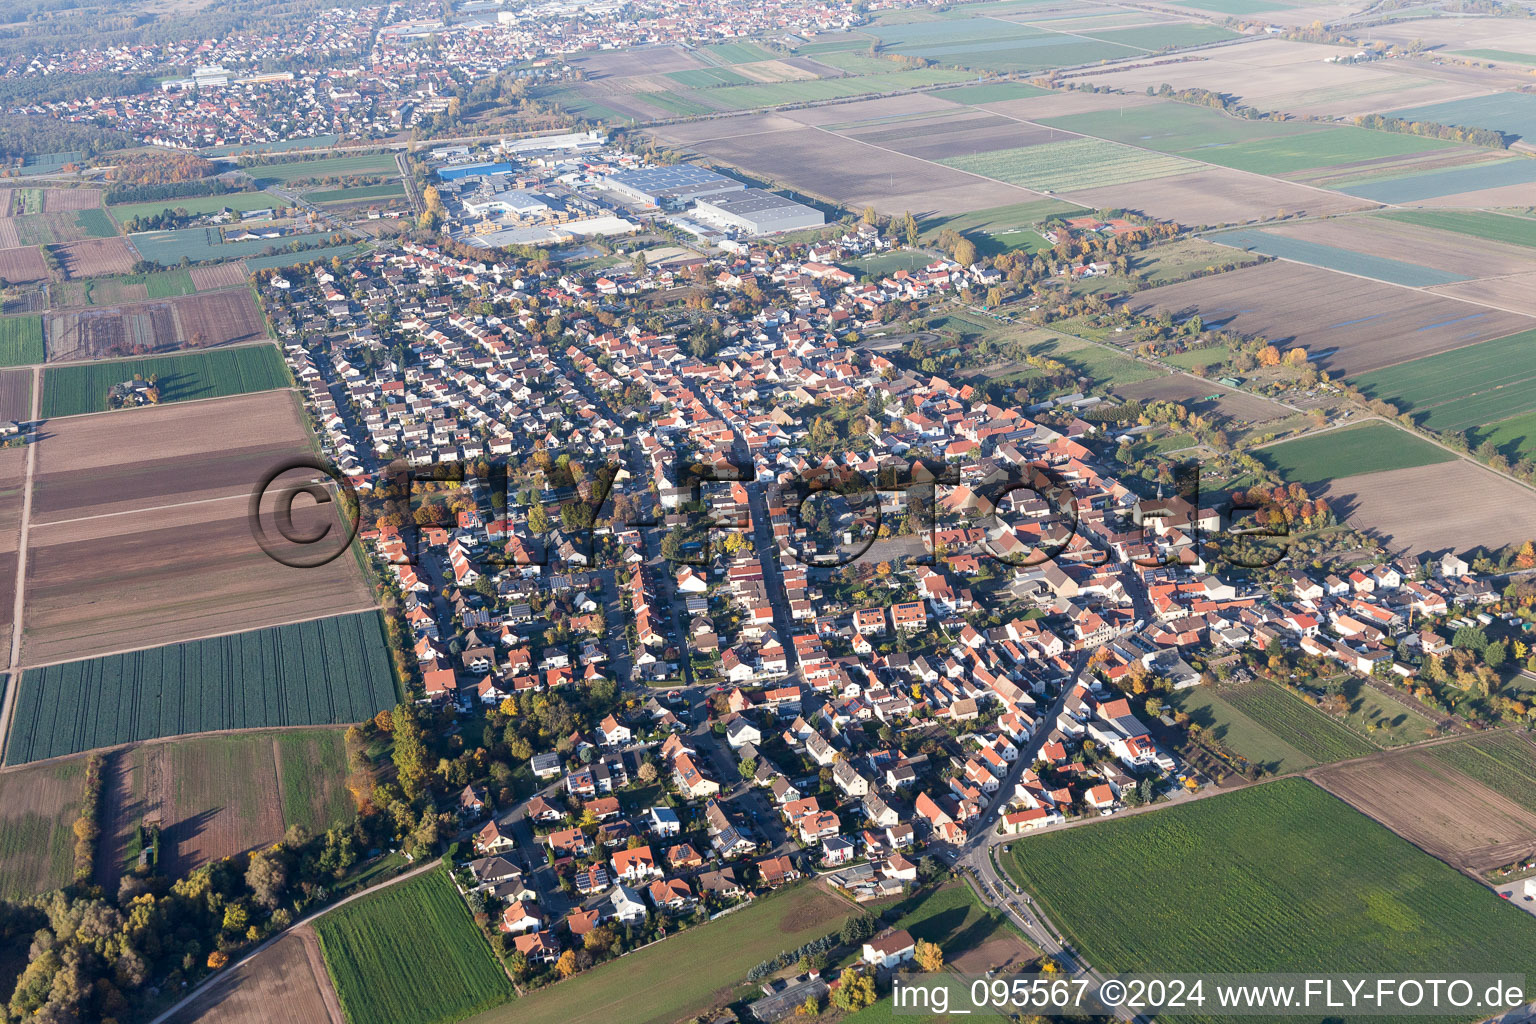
{"x":671,"y":187}
{"x":755,"y":211}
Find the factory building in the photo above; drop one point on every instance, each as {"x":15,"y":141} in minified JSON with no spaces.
{"x":671,"y":187}
{"x":755,"y":211}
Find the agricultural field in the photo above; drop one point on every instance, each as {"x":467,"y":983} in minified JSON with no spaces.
{"x":321,"y":672}
{"x":203,"y":320}
{"x":1348,"y":325}
{"x":114,"y":291}
{"x":646,"y":987}
{"x":21,"y":340}
{"x":357,"y":194}
{"x":49,"y":163}
{"x":21,"y":264}
{"x":967,"y":133}
{"x":220,"y":796}
{"x":239,"y":149}
{"x":1201,"y":395}
{"x":237,"y":201}
{"x":1466,"y":389}
{"x":1330,"y":257}
{"x":140,"y":532}
{"x":323,"y":254}
{"x":38,"y":807}
{"x":994,"y":92}
{"x":60,"y":226}
{"x":1512,"y":113}
{"x":1176,"y":128}
{"x":1367,"y":902}
{"x":284,"y":984}
{"x":1505,"y":763}
{"x":1002,"y":229}
{"x":1071,"y":166}
{"x":1421,"y":186}
{"x":201,"y":245}
{"x":1491,"y":227}
{"x":352,"y":165}
{"x":772,"y":94}
{"x":1504,"y":56}
{"x":990,"y":44}
{"x":1351,"y":451}
{"x":1221,"y":720}
{"x":1331,"y":147}
{"x":1425,"y":797}
{"x":94,"y":257}
{"x":70,"y":390}
{"x":1304,"y":727}
{"x":15,"y":395}
{"x":220,"y":275}
{"x":1430,"y":508}
{"x":734,"y":53}
{"x":410,"y":954}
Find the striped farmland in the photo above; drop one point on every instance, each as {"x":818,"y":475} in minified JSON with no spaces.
{"x":324,"y":672}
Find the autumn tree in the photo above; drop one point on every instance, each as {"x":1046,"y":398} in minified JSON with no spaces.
{"x":929,"y":956}
{"x":854,"y":991}
{"x":566,"y":965}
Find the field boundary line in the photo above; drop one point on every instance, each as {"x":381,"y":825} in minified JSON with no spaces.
{"x":155,"y":741}
{"x":136,"y":511}
{"x":162,"y":405}
{"x":935,"y":163}
{"x":206,"y":636}
{"x":7,"y":710}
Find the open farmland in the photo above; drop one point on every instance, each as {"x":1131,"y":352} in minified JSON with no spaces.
{"x":357,"y":194}
{"x":221,"y":796}
{"x":221,"y":275}
{"x":153,"y":457}
{"x":15,"y":394}
{"x":943,"y":138}
{"x":1237,"y":733}
{"x":321,"y":672}
{"x":21,"y":340}
{"x":1001,"y":229}
{"x":23,"y":263}
{"x":38,"y":807}
{"x":992,"y":44}
{"x":842,"y":170}
{"x":1216,"y":195}
{"x":94,"y":257}
{"x":1467,"y":389}
{"x":125,"y":288}
{"x":1512,"y":113}
{"x":1070,"y":166}
{"x":1367,"y":901}
{"x":772,"y":94}
{"x":1362,"y":448}
{"x":1298,"y":723}
{"x":62,"y":226}
{"x":140,"y":532}
{"x":1331,"y":257}
{"x":1347,"y":324}
{"x":1449,"y":505}
{"x":646,"y":988}
{"x":201,"y":320}
{"x":410,"y":954}
{"x":237,"y":201}
{"x":82,"y":387}
{"x":1365,"y":241}
{"x":1475,"y":178}
{"x":284,"y":984}
{"x":199,"y":245}
{"x":1489,"y":227}
{"x":1421,"y":796}
{"x":324,"y":168}
{"x":1193,"y":392}
{"x":1505,"y":763}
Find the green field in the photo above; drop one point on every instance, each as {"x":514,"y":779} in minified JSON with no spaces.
{"x":49,"y":163}
{"x":1305,"y":727}
{"x":1505,"y":763}
{"x":648,"y":988}
{"x":1328,"y":147}
{"x":1412,"y":188}
{"x":1103,"y":365}
{"x":1238,"y":733}
{"x":1001,"y":228}
{"x":63,"y":226}
{"x":1233,"y":7}
{"x":1275,"y":877}
{"x":312,"y":794}
{"x":110,"y":291}
{"x":323,"y":254}
{"x":21,"y":340}
{"x":675,"y":103}
{"x":1350,"y":451}
{"x":889,"y":262}
{"x":357,"y":194}
{"x":1178,"y":128}
{"x":310,"y":142}
{"x":325,"y":167}
{"x":771,"y":94}
{"x":995,"y":92}
{"x":1070,"y":166}
{"x":38,"y":807}
{"x":1506,"y":56}
{"x":1492,"y":227}
{"x":952,"y":917}
{"x":1513,"y":113}
{"x":74,"y":388}
{"x":1465,"y":388}
{"x":1164,"y":37}
{"x":972,"y":40}
{"x":240,"y":201}
{"x":579,"y":104}
{"x":736,"y":53}
{"x":323,"y":672}
{"x":708,"y":78}
{"x":201,"y":245}
{"x":410,"y":954}
{"x":1332,"y":257}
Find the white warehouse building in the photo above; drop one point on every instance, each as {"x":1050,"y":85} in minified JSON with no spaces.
{"x":756,"y":211}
